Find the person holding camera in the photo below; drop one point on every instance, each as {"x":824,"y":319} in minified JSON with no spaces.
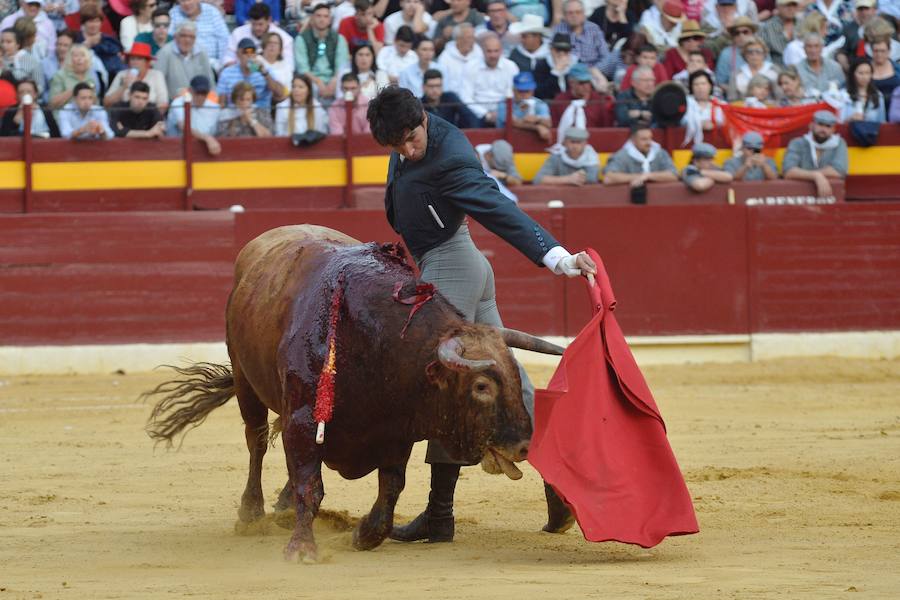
{"x":750,"y":164}
{"x":250,"y":69}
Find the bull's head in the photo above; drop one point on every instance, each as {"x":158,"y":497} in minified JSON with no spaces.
{"x":485,"y":418}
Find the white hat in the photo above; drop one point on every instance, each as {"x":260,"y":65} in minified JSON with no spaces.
{"x":530,"y":24}
{"x":41,"y":2}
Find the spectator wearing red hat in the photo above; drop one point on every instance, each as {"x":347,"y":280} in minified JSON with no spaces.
{"x":139,"y":60}
{"x":661,"y":23}
{"x":106,"y":47}
{"x":138,"y":19}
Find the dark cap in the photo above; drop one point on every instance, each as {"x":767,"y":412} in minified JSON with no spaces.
{"x":246,"y":43}
{"x":561,"y":41}
{"x":200,"y":84}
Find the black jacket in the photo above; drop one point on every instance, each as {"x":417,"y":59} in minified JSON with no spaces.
{"x":451,"y":181}
{"x":8,"y":127}
{"x":547,"y":83}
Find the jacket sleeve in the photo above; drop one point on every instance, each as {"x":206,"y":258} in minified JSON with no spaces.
{"x":463,"y":183}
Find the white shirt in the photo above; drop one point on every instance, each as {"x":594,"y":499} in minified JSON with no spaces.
{"x":485,"y":87}
{"x":129,"y":28}
{"x":453,"y":65}
{"x":204,"y":119}
{"x":392,"y":63}
{"x":395,"y":21}
{"x":239,"y":33}
{"x":282,"y":115}
{"x":411,"y":77}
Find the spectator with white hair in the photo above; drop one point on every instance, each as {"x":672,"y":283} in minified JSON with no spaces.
{"x":818,"y":73}
{"x":457,"y":55}
{"x":633,"y":105}
{"x":588,"y":41}
{"x":182,"y":59}
{"x":212,"y":33}
{"x":489,"y":80}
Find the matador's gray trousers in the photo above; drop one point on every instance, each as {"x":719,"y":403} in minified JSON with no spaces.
{"x":464,"y":276}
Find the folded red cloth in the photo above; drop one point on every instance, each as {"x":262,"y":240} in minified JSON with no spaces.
{"x":600,"y":441}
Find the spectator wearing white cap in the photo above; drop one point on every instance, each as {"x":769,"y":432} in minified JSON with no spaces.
{"x":574,"y":162}
{"x":46,"y":30}
{"x":531,"y":53}
{"x":702,"y":173}
{"x":749,"y":163}
{"x":817,"y":156}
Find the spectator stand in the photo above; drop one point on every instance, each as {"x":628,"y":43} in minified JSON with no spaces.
{"x":41,"y":175}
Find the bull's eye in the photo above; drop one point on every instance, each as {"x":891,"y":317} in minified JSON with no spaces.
{"x":481,"y":387}
{"x":484,"y":389}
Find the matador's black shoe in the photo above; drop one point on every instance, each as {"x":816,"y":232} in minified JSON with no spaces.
{"x":436,"y":524}
{"x":559,"y":516}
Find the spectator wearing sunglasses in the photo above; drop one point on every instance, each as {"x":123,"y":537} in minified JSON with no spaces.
{"x":750,"y":164}
{"x":248,"y":70}
{"x":730,"y":59}
{"x":139,"y":21}
{"x":756,"y":63}
{"x":159,"y":35}
{"x":689,"y":41}
{"x":321,"y":52}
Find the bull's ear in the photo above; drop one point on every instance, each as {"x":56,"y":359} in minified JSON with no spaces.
{"x":437,"y":375}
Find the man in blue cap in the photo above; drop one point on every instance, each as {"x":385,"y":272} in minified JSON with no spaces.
{"x":818,"y":156}
{"x":528,"y":112}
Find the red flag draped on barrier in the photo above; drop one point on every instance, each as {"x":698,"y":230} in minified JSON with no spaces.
{"x":767,"y":121}
{"x":600,"y":441}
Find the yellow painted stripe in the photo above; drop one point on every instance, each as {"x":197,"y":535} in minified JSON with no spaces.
{"x":108,"y":175}
{"x":370,"y":170}
{"x":12,"y":175}
{"x":877,"y":160}
{"x":252,"y":174}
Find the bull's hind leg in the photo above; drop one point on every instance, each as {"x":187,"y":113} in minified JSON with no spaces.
{"x":256,"y":430}
{"x":376,"y":525}
{"x":304,"y":461}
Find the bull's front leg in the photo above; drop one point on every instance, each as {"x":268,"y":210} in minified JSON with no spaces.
{"x":376,"y":525}
{"x":304,"y":461}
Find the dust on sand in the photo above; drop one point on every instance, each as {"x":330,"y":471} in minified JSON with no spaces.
{"x":794,"y":467}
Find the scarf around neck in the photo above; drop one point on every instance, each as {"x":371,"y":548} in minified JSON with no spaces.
{"x":829,"y":144}
{"x":637,"y":155}
{"x":588,"y":158}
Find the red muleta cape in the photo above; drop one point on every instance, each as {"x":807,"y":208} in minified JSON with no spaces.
{"x":600,"y":441}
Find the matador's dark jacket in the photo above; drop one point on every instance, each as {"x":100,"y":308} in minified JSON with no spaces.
{"x":427,"y":200}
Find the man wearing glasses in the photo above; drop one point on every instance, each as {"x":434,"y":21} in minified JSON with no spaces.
{"x":321,"y":52}
{"x":159,"y":36}
{"x":249,"y":69}
{"x":730,"y":59}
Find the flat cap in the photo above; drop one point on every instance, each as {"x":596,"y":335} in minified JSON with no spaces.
{"x":704,"y":150}
{"x":577,"y":133}
{"x":752,"y":140}
{"x":824,"y":117}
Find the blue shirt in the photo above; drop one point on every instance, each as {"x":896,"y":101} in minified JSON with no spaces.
{"x":70,"y":119}
{"x":230,"y":76}
{"x":212,"y":33}
{"x":242,"y":7}
{"x":540,"y":109}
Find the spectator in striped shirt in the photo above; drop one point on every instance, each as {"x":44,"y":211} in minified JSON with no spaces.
{"x":212,"y":33}
{"x":588,"y":43}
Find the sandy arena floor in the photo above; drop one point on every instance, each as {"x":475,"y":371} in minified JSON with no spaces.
{"x":794,"y":467}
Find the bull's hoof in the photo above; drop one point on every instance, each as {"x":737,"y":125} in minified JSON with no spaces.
{"x":559,"y":515}
{"x":368,"y":537}
{"x":251,"y":513}
{"x":303,"y":552}
{"x":253,"y":528}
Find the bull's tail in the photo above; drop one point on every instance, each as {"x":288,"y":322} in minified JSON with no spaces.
{"x":187,"y":401}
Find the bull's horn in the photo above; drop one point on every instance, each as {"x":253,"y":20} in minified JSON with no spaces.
{"x":450,"y":354}
{"x":526,"y":341}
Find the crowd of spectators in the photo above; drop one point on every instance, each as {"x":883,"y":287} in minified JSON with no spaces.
{"x":298,"y":67}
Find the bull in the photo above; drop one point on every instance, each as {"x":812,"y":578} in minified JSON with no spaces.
{"x":400,"y":376}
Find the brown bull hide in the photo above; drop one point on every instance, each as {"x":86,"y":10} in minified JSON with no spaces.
{"x":389,"y":391}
